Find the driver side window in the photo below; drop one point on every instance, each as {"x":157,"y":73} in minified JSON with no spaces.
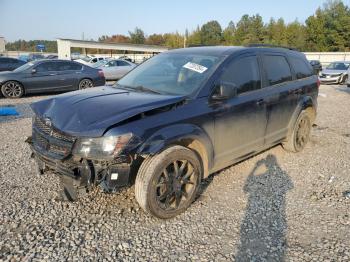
{"x":243,"y":73}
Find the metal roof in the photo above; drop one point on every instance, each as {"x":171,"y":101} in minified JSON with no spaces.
{"x":114,"y":46}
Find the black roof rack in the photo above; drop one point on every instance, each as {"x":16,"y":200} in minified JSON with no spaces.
{"x":270,"y":45}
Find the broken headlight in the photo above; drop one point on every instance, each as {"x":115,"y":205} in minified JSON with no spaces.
{"x":102,"y":147}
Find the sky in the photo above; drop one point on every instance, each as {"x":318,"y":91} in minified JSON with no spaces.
{"x":51,"y":19}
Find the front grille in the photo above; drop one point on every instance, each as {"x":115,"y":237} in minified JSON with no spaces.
{"x":50,"y":141}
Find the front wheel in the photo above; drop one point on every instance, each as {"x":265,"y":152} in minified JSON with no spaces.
{"x":85,"y":83}
{"x":12,"y":89}
{"x":299,"y":136}
{"x":167,"y":183}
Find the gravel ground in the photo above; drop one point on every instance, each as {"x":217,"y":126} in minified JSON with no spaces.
{"x":275,"y":206}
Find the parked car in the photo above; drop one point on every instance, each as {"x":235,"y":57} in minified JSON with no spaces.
{"x":126,"y":58}
{"x":23,"y":58}
{"x":49,"y":75}
{"x":114,"y":69}
{"x":52,"y":57}
{"x":335,"y":73}
{"x":33,"y":57}
{"x":316,"y":65}
{"x":174,"y":120}
{"x":89,"y":60}
{"x":9,"y":63}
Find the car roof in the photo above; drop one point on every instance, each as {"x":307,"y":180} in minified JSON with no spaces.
{"x":50,"y":60}
{"x":228,"y":50}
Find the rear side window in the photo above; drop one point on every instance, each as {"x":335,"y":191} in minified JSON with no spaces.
{"x":277,"y":69}
{"x":301,"y":69}
{"x":244,"y":73}
{"x":123,"y":63}
{"x":63,"y":66}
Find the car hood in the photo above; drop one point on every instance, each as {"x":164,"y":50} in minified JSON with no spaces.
{"x":332,"y":71}
{"x":90,"y":112}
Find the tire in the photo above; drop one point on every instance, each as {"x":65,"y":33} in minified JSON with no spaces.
{"x":85,"y":83}
{"x":299,"y":136}
{"x":344,"y":80}
{"x":162,"y":193}
{"x":12,"y":89}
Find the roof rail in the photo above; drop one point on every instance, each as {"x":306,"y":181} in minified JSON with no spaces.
{"x":270,"y":45}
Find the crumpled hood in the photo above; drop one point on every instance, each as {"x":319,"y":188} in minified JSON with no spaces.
{"x":90,"y":112}
{"x":332,"y":72}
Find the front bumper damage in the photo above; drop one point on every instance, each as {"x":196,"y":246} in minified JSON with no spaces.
{"x":78,"y":176}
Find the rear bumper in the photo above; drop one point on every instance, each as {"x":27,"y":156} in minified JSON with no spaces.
{"x":100,"y":82}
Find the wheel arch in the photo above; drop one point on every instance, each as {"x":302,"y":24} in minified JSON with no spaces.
{"x":306,"y":103}
{"x":186,"y":135}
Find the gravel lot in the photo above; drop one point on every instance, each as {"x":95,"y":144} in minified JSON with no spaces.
{"x":275,"y":206}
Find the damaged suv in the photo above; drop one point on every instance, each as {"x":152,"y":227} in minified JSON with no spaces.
{"x":174,"y":120}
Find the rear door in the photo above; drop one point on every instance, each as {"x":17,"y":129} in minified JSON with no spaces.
{"x":69,"y":74}
{"x":282,"y":93}
{"x":240,"y":121}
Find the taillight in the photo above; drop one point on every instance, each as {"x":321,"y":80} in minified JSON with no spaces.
{"x":100,"y":73}
{"x":318,"y":82}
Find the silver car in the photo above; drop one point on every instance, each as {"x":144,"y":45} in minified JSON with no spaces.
{"x":335,"y":73}
{"x":114,"y":69}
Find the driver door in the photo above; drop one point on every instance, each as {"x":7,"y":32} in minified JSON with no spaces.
{"x":240,"y":121}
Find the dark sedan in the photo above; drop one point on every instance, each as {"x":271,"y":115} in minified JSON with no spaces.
{"x":49,"y":76}
{"x":9,"y":63}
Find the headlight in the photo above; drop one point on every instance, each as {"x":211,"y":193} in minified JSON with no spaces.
{"x":102,"y":147}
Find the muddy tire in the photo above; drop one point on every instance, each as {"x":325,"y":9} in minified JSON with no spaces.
{"x":12,"y":89}
{"x":300,"y":134}
{"x":167,"y":183}
{"x":85,"y":83}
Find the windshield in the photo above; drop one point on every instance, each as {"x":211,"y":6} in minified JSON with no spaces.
{"x":23,"y":67}
{"x":86,"y":58}
{"x":338,"y":66}
{"x":171,"y":73}
{"x":100,"y":63}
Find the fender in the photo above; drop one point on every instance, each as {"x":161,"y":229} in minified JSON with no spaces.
{"x":304,"y":103}
{"x":181,"y":134}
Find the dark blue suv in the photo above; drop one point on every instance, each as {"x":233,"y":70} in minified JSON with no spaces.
{"x":174,"y":120}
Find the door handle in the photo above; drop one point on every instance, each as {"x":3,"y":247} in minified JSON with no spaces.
{"x":260,"y":102}
{"x":52,"y":74}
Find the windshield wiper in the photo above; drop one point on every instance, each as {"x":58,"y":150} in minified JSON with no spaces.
{"x":138,"y":88}
{"x":145,"y":89}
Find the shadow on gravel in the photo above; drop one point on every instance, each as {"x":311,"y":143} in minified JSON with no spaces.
{"x":264,"y":227}
{"x":344,"y":89}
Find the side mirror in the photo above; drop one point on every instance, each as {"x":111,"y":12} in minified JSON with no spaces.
{"x":33,"y":71}
{"x":224,"y":90}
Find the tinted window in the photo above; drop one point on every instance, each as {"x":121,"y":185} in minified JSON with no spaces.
{"x":5,"y":60}
{"x":63,"y":66}
{"x":112,"y":63}
{"x":244,"y":73}
{"x":301,"y":69}
{"x":277,"y":69}
{"x":44,"y":67}
{"x":123,"y":63}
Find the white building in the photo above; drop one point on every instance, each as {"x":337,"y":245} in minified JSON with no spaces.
{"x":2,"y":44}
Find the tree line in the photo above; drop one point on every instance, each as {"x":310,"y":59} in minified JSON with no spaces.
{"x":328,"y":29}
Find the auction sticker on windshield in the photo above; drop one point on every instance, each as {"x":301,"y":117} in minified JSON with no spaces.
{"x":195,"y":67}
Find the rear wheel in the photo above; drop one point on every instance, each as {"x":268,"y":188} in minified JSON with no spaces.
{"x":167,"y":183}
{"x":85,"y":83}
{"x":12,"y":89}
{"x":299,"y":136}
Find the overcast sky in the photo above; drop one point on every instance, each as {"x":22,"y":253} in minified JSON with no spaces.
{"x":51,"y":19}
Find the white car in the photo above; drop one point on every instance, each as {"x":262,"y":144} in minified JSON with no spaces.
{"x":114,"y":69}
{"x":89,"y":60}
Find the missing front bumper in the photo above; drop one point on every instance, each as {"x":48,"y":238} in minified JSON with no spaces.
{"x":79,"y":176}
